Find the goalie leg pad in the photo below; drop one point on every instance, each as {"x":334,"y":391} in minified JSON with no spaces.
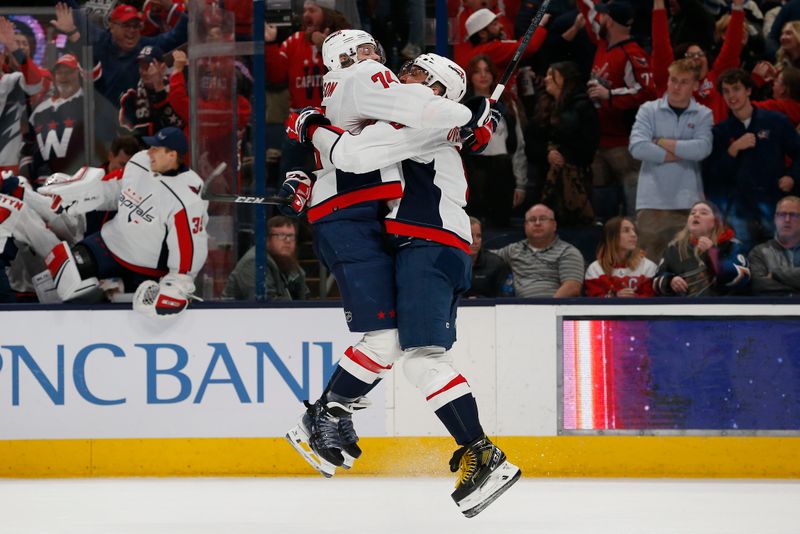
{"x":66,"y":276}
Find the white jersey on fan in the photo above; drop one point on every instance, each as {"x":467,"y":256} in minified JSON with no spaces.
{"x":161,"y":220}
{"x":356,"y":96}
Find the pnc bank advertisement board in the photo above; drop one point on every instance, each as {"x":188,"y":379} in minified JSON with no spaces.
{"x":209,"y":373}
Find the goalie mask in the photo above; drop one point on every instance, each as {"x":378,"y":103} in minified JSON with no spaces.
{"x":340,"y":49}
{"x":440,"y":70}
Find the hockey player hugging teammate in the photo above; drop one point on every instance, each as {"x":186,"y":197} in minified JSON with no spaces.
{"x":417,"y":141}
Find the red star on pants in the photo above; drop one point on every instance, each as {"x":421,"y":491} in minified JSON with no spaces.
{"x":68,"y":123}
{"x":52,"y":125}
{"x":381,"y":315}
{"x":392,"y":314}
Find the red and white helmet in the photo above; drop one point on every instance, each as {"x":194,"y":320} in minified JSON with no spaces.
{"x":446,"y":72}
{"x":344,"y":43}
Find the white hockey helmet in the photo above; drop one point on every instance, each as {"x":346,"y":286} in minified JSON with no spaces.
{"x":446,"y":72}
{"x":344,"y":43}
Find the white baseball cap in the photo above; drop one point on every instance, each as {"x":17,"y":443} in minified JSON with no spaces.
{"x":479,"y":20}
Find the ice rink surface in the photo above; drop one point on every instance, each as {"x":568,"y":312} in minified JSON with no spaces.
{"x":367,"y":505}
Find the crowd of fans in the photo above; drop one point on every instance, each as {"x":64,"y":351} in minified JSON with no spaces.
{"x":654,"y":141}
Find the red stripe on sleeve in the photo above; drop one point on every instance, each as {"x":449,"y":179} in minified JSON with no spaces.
{"x":185,"y":244}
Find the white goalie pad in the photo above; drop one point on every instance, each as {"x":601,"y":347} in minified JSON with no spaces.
{"x":165,"y":299}
{"x":80,"y":193}
{"x":64,"y":271}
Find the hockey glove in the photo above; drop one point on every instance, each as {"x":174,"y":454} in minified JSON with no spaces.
{"x":475,"y":140}
{"x":481,"y":111}
{"x":297,"y":190}
{"x":164,"y":299}
{"x":300,"y":126}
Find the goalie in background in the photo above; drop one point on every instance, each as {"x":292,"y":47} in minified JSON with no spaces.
{"x":157,"y":242}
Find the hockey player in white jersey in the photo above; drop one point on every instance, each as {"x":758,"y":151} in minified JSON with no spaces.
{"x":157,"y":241}
{"x":432,"y":267}
{"x":343,"y":208}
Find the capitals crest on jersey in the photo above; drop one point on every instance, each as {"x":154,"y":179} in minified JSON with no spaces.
{"x":140,"y":210}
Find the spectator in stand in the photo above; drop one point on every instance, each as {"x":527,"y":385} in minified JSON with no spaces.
{"x":19,"y":80}
{"x":116,"y":50}
{"x":542,"y":264}
{"x":497,"y":176}
{"x":752,"y":44}
{"x":160,"y":16}
{"x":55,"y":138}
{"x":149,"y":107}
{"x":775,"y":265}
{"x":788,"y":55}
{"x":285,"y":279}
{"x":489,"y":272}
{"x":214,"y":103}
{"x":789,"y":12}
{"x":706,"y":93}
{"x":785,"y":95}
{"x":621,"y":269}
{"x":462,"y":47}
{"x":297,"y":62}
{"x":689,"y":22}
{"x":747,"y":173}
{"x":671,"y":137}
{"x":26,"y":42}
{"x":486,"y":36}
{"x":621,"y":82}
{"x":563,"y":137}
{"x":789,"y":52}
{"x":704,"y":259}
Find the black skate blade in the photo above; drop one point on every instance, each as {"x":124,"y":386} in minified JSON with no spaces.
{"x":480,"y":507}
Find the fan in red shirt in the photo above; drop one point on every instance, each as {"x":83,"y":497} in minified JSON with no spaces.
{"x":297,"y":61}
{"x":621,"y":81}
{"x":487,"y":35}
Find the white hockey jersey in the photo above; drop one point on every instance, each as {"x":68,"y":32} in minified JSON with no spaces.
{"x":161,"y":220}
{"x":355,"y":97}
{"x":435,"y":187}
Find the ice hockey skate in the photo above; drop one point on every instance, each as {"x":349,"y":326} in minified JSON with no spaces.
{"x":347,"y":433}
{"x":316,"y":436}
{"x":485,"y":475}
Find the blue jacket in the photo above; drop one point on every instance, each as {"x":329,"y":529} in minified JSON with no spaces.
{"x":117,"y":70}
{"x":674,"y":185}
{"x":752,"y":176}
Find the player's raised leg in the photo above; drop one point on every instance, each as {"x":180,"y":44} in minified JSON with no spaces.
{"x":429,"y":279}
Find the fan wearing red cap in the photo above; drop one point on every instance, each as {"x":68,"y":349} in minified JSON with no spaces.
{"x":54,"y":139}
{"x":67,"y":76}
{"x":115,"y":51}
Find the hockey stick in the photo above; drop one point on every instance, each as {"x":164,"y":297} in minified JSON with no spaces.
{"x":523,"y":44}
{"x":236,"y":199}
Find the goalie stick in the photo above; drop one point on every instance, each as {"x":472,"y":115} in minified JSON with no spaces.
{"x":523,"y":44}
{"x":236,"y":199}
